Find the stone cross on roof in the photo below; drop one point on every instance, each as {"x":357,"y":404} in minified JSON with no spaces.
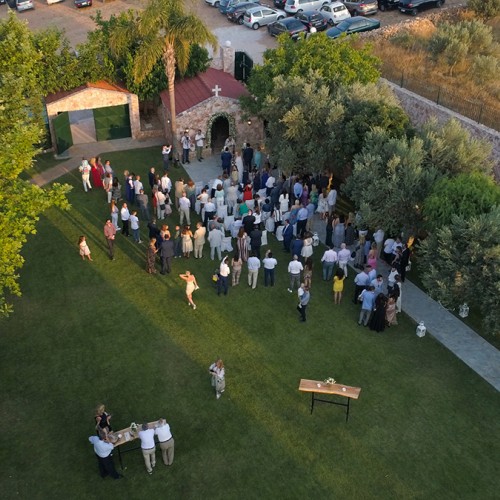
{"x":216,"y":89}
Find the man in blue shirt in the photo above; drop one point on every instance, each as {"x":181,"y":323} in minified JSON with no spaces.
{"x":103,"y":450}
{"x":361,"y":281}
{"x":367,"y":298}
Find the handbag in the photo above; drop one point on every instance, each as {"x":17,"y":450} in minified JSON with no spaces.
{"x":162,"y":206}
{"x":196,"y":287}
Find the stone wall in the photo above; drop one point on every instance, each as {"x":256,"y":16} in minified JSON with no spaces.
{"x":420,"y":110}
{"x":91,"y":98}
{"x":198,"y":116}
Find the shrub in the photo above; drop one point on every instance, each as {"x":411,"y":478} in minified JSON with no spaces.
{"x":486,"y":9}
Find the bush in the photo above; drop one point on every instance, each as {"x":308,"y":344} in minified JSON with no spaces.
{"x":485,"y":69}
{"x":486,"y":9}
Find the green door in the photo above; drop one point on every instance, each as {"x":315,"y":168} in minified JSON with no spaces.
{"x":62,"y":131}
{"x":112,"y":122}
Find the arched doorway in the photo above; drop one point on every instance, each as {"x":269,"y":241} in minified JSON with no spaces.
{"x":219,"y":132}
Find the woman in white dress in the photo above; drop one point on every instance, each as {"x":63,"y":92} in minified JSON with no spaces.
{"x":187,"y":241}
{"x":191,"y":286}
{"x":84,"y":248}
{"x":307,"y":249}
{"x":284,"y":201}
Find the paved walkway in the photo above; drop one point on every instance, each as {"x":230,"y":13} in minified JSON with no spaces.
{"x":455,"y":335}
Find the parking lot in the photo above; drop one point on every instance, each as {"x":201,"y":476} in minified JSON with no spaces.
{"x":77,"y":22}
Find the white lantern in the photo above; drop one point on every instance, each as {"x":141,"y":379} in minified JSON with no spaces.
{"x":463,"y":310}
{"x":421,"y":329}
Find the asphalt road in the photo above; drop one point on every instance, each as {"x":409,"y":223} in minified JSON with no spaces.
{"x":77,"y":22}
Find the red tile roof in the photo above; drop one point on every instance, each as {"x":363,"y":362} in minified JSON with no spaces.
{"x":191,"y":91}
{"x":101,"y":84}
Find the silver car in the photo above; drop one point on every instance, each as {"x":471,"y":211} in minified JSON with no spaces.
{"x":361,"y":7}
{"x":260,"y":16}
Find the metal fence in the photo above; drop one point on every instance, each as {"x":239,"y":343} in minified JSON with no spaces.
{"x":473,"y":109}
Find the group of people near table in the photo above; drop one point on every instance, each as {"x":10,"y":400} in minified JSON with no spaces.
{"x":105,"y":437}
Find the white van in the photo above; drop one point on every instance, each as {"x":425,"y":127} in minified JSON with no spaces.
{"x":295,"y":6}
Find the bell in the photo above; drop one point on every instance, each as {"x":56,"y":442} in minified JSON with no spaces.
{"x":421,"y":329}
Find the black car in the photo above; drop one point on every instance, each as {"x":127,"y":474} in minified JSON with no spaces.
{"x":312,"y":19}
{"x":414,"y":6}
{"x":355,"y":24}
{"x":384,"y":5}
{"x":290,"y":25}
{"x":235,"y":14}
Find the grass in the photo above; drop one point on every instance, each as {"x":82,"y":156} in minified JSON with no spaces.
{"x":88,"y":332}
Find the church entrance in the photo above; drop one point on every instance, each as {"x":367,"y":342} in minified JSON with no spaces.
{"x":219,"y":133}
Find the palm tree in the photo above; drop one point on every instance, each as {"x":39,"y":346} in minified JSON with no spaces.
{"x":164,"y":29}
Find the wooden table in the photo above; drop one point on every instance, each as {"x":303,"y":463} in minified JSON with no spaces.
{"x":318,"y":387}
{"x":129,"y":437}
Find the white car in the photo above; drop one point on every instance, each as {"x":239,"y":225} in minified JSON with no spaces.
{"x":334,"y":13}
{"x":213,"y":3}
{"x":260,"y":16}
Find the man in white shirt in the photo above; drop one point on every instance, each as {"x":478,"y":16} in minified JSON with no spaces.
{"x":184,"y":206}
{"x":210,"y":211}
{"x":389,"y":242}
{"x":222,"y":282}
{"x":103,"y":450}
{"x":331,"y":199}
{"x":344,"y":257}
{"x":166,"y":183}
{"x":329,"y":259}
{"x":253,"y":264}
{"x":138,"y":185}
{"x":269,"y":265}
{"x":148,"y":447}
{"x":125,"y":216}
{"x":215,"y":239}
{"x":199,"y":139}
{"x":270,"y":184}
{"x":186,"y":146}
{"x":166,"y":441}
{"x":295,"y":267}
{"x":85,"y":171}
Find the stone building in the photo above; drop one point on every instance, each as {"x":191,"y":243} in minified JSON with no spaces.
{"x":92,"y":112}
{"x":210,"y":102}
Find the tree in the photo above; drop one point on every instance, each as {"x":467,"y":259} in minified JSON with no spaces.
{"x":21,"y":126}
{"x":167,"y":31}
{"x":486,"y":9}
{"x":461,"y":263}
{"x":388,"y":183}
{"x":451,"y":149}
{"x":465,"y":195}
{"x":337,"y":62}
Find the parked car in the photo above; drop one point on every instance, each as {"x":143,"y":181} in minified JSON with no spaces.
{"x":213,"y":3}
{"x":361,"y":7}
{"x":413,"y":7}
{"x":236,"y":12}
{"x":260,"y":16}
{"x":312,"y":19}
{"x":279,"y":4}
{"x":290,"y":25}
{"x":353,"y":25}
{"x":83,"y":3}
{"x":384,"y":5}
{"x":225,"y":5}
{"x":334,"y":13}
{"x":24,"y":5}
{"x":296,"y":6}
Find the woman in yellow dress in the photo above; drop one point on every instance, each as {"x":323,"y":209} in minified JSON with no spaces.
{"x":338,"y":286}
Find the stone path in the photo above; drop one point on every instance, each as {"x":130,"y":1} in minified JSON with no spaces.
{"x":455,"y":335}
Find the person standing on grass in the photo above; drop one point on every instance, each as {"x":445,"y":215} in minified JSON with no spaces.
{"x":148,"y":447}
{"x":199,"y":240}
{"x":338,"y":286}
{"x":361,"y":281}
{"x":304,"y":298}
{"x":143,"y":202}
{"x":191,"y":286}
{"x":84,"y":248}
{"x":329,"y":259}
{"x":167,"y":251}
{"x":134,"y":225}
{"x":367,"y":299}
{"x":253,"y":264}
{"x":151,"y":256}
{"x":109,"y":234}
{"x":218,"y":373}
{"x":236,"y":264}
{"x":103,"y":450}
{"x":287,"y":235}
{"x":222,"y":282}
{"x":270,"y":264}
{"x":166,"y":441}
{"x":215,"y":239}
{"x":344,"y":256}
{"x":184,"y":206}
{"x":85,"y":169}
{"x":295,"y":267}
{"x":125,"y":217}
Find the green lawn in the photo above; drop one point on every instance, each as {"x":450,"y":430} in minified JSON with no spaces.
{"x":425,"y":425}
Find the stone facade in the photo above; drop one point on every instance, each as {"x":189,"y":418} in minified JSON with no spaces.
{"x":198,"y":117}
{"x":420,"y":110}
{"x":91,"y":98}
{"x":225,"y":61}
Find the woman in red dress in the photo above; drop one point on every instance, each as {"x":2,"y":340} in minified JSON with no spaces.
{"x":96,"y":173}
